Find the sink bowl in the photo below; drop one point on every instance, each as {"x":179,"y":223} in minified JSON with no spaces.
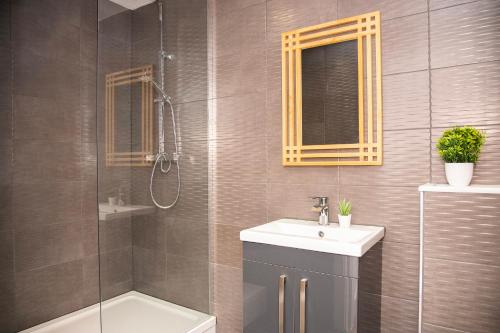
{"x":309,"y":235}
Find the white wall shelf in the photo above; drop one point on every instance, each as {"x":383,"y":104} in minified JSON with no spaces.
{"x":442,"y":188}
{"x":491,"y":189}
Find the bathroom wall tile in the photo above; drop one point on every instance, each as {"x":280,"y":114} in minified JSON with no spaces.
{"x":428,"y":328}
{"x":286,"y":15}
{"x":88,"y":97}
{"x":149,"y":271}
{"x":6,"y":220}
{"x":193,"y":208}
{"x":439,"y":4}
{"x":7,"y":314}
{"x":186,"y":29}
{"x":48,"y":245}
{"x":382,"y":314}
{"x":148,"y":232}
{"x":398,"y":168}
{"x":247,"y":199}
{"x":278,"y":173}
{"x":115,"y":272}
{"x":90,"y":291}
{"x":395,"y":208}
{"x":389,"y":9}
{"x":241,"y":159}
{"x":88,"y":49}
{"x":476,"y":21}
{"x":51,"y":119}
{"x":46,"y":38}
{"x":465,"y":284}
{"x":228,"y":247}
{"x":470,"y":93}
{"x":486,"y":170}
{"x":240,"y":116}
{"x":390,"y":269}
{"x":402,"y":54}
{"x":6,"y":158}
{"x":187,"y":282}
{"x":88,"y":14}
{"x":295,"y":201}
{"x":58,"y":286}
{"x":115,"y":234}
{"x":237,"y":74}
{"x":406,"y":101}
{"x":463,"y":227}
{"x":48,"y":164}
{"x":43,"y":77}
{"x":225,"y":7}
{"x":118,"y":26}
{"x":240,"y":30}
{"x":228,"y":293}
{"x":143,"y":26}
{"x":193,"y":120}
{"x":187,"y":239}
{"x":32,"y":207}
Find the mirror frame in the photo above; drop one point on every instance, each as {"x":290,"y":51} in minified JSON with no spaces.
{"x":128,"y":77}
{"x":368,"y":151}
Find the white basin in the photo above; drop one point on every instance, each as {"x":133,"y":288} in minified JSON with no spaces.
{"x":108,"y":212}
{"x":354,"y":241}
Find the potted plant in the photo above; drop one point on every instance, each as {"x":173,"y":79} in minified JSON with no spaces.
{"x":460,"y":147}
{"x":345,"y":208}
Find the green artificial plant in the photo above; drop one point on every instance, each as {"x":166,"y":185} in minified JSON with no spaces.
{"x":461,"y":145}
{"x":345,"y":207}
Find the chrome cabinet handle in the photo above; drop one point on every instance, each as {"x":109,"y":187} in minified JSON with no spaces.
{"x":281,"y":302}
{"x":303,"y":285}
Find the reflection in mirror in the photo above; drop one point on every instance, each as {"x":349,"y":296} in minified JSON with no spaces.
{"x":330,"y":112}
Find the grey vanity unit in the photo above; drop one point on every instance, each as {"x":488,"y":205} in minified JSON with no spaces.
{"x":301,"y":277}
{"x":293,"y":290}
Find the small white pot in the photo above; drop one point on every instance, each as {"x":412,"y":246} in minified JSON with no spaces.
{"x":345,"y":221}
{"x":459,"y":174}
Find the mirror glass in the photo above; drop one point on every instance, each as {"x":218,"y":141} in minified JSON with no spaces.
{"x":330,"y":112}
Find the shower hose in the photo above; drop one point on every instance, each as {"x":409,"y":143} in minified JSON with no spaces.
{"x":162,"y":157}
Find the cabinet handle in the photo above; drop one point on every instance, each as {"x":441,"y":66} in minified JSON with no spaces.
{"x":303,"y":285}
{"x":281,"y":302}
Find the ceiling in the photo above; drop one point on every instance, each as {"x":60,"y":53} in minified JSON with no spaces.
{"x":132,"y":4}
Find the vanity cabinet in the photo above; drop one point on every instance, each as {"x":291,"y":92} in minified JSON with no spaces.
{"x":292,"y":290}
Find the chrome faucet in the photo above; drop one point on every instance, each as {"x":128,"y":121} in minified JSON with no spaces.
{"x":322,"y":208}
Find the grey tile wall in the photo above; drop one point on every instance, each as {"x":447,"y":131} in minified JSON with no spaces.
{"x":49,"y":241}
{"x":439,"y":70}
{"x":171,"y":248}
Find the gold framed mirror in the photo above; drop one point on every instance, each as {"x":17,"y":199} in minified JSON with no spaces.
{"x":332,"y":111}
{"x":129,"y":117}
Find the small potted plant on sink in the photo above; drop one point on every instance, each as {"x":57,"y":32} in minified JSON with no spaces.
{"x":345,"y":208}
{"x":460,"y":147}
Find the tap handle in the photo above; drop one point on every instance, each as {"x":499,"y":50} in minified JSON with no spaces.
{"x":322,"y":201}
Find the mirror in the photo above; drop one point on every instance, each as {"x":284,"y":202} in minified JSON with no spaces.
{"x":330,"y":94}
{"x":332,"y":112}
{"x":129,"y":117}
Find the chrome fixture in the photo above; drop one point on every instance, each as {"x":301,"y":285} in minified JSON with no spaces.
{"x":163,"y":157}
{"x":322,"y":208}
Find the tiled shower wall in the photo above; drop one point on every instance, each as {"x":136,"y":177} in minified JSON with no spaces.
{"x":48,"y":222}
{"x":440,"y":68}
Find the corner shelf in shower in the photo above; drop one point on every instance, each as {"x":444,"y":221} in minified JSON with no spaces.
{"x":441,"y":188}
{"x":107,"y":212}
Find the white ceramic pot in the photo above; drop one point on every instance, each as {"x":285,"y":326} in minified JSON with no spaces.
{"x":345,"y":221}
{"x":459,"y":174}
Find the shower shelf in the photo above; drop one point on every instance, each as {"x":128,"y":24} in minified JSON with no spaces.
{"x":107,"y":212}
{"x":442,"y":188}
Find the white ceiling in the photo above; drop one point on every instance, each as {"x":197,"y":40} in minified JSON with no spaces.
{"x":132,"y":4}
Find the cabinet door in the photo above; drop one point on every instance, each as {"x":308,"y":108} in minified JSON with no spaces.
{"x":329,"y":303}
{"x":262,"y":285}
